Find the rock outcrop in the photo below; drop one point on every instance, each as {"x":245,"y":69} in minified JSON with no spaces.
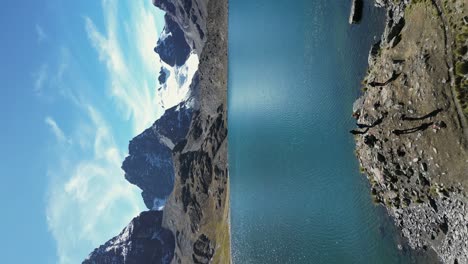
{"x":172,"y":47}
{"x":142,"y":241}
{"x":191,"y":17}
{"x":411,"y":136}
{"x":180,"y":162}
{"x":149,"y":164}
{"x":356,"y":11}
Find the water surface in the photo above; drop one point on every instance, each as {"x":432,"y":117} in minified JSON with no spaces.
{"x":296,"y":192}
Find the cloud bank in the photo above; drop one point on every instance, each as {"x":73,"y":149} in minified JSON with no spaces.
{"x":89,"y":198}
{"x":128,"y":71}
{"x":89,"y":201}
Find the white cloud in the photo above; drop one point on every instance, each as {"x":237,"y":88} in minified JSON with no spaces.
{"x":144,"y":29}
{"x":89,"y":200}
{"x":41,"y":35}
{"x":56,"y":130}
{"x":40,"y":79}
{"x":132,"y":81}
{"x":48,"y":78}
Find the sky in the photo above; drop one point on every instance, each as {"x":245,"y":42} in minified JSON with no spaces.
{"x":79,"y":81}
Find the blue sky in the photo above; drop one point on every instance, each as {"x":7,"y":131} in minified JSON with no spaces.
{"x":79,"y":82}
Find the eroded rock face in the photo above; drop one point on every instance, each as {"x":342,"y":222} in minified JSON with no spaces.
{"x":142,"y":241}
{"x":202,"y":250}
{"x":172,"y":46}
{"x":149,"y":164}
{"x":191,"y":16}
{"x":413,"y":146}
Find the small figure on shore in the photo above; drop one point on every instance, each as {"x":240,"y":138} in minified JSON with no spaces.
{"x":438,"y":125}
{"x":356,"y":115}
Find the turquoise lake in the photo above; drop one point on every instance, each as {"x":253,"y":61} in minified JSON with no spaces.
{"x":297,"y":195}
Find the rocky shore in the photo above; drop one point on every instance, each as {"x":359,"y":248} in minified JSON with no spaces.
{"x":411,"y":135}
{"x":356,"y":11}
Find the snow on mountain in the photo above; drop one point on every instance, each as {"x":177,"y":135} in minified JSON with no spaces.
{"x":176,"y":87}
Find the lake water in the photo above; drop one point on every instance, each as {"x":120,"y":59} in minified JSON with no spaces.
{"x":297,"y":195}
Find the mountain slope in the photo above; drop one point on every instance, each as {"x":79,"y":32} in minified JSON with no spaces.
{"x":198,"y":209}
{"x":180,"y":162}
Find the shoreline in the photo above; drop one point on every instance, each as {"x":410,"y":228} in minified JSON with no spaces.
{"x":412,"y":154}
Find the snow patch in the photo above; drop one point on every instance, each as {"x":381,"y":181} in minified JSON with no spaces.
{"x":176,"y":89}
{"x":164,"y":35}
{"x":158,"y":204}
{"x":166,"y":141}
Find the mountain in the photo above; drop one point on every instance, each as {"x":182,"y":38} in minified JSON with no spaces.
{"x":180,"y":162}
{"x":149,"y":164}
{"x":142,"y":241}
{"x":172,"y":46}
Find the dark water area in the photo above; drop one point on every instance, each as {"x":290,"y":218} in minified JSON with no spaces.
{"x":297,"y":196}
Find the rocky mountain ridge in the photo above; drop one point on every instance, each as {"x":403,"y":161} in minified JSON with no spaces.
{"x":142,"y":241}
{"x":149,"y":164}
{"x":185,"y":149}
